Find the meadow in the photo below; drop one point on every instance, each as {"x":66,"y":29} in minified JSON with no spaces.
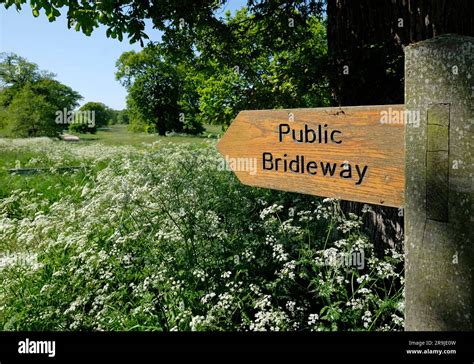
{"x":152,"y":234}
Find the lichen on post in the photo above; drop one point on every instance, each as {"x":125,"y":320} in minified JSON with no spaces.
{"x":439,"y":244}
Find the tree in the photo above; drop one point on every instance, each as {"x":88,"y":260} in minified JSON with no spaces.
{"x":57,"y":94}
{"x":214,"y":85}
{"x":366,"y":40}
{"x":30,"y":115}
{"x":114,"y":116}
{"x":122,"y":117}
{"x":124,"y":17}
{"x":16,"y":71}
{"x":253,"y":74}
{"x":278,"y":28}
{"x":367,"y":37}
{"x":90,"y":117}
{"x":155,"y":95}
{"x":20,"y":79}
{"x":159,"y":97}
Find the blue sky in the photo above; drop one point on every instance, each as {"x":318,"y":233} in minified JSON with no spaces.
{"x":87,"y":64}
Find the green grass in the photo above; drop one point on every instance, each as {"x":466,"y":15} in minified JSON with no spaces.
{"x":119,"y":135}
{"x":116,"y":135}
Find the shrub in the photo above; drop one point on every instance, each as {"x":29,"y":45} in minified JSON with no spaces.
{"x":30,"y":115}
{"x":167,"y":240}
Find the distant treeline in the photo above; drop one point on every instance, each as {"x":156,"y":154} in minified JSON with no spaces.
{"x":33,"y":103}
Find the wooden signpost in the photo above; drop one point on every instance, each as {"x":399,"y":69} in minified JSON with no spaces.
{"x":419,"y":156}
{"x":351,"y":153}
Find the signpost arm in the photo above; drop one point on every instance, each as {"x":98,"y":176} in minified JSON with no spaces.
{"x":439,"y":224}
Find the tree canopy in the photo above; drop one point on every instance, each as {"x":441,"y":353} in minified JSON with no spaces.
{"x":272,"y":54}
{"x":208,"y":80}
{"x":365,"y":37}
{"x":90,"y":117}
{"x":30,"y":98}
{"x":127,"y":18}
{"x":160,"y":96}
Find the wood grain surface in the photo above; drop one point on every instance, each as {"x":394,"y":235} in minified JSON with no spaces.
{"x":366,"y":153}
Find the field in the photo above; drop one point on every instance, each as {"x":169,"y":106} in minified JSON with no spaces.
{"x":153,"y":233}
{"x":119,"y":135}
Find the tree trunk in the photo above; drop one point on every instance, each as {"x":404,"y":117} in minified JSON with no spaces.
{"x":366,"y":40}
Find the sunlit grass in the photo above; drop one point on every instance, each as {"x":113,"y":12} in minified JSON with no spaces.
{"x":119,"y":135}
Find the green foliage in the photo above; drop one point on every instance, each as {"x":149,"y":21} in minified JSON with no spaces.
{"x":122,"y":117}
{"x":30,"y":99}
{"x":219,"y":96}
{"x":137,"y":122}
{"x":247,"y":72}
{"x":114,"y":116}
{"x":82,"y":128}
{"x":91,"y":116}
{"x":103,"y":114}
{"x":213,"y":78}
{"x":57,"y":94}
{"x":124,"y":19}
{"x":160,"y":97}
{"x":155,"y":93}
{"x":16,"y":71}
{"x":29,"y":115}
{"x":208,"y":68}
{"x":3,"y":118}
{"x":128,"y":19}
{"x":165,"y":239}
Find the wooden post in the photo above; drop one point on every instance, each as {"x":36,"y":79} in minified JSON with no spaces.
{"x":439,"y":224}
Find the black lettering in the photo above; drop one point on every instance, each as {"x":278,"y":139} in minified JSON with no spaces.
{"x":295,"y":137}
{"x":327,"y":168}
{"x":295,"y":164}
{"x":361,"y":174}
{"x":325,"y":134}
{"x":307,"y":133}
{"x":311,"y":165}
{"x":267,"y":157}
{"x":280,"y":131}
{"x":332,"y":136}
{"x":346,"y":172}
{"x":276,"y":163}
{"x":320,"y":134}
